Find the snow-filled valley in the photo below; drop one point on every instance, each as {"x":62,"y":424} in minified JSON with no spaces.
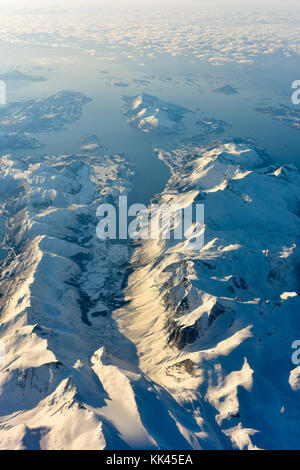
{"x":150,"y":345}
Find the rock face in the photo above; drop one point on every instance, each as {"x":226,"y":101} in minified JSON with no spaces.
{"x":230,"y":309}
{"x":151,"y":115}
{"x":195,"y":353}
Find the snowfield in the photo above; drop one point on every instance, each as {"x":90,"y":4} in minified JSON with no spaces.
{"x":155,"y":346}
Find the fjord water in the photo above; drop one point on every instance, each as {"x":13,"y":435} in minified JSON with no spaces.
{"x":178,"y":80}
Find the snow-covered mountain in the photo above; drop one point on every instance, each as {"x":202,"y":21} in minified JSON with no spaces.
{"x":109,"y":346}
{"x":58,"y":285}
{"x":215,"y":326}
{"x":151,"y":115}
{"x":51,"y":113}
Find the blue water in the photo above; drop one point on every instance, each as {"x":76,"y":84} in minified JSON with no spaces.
{"x":174,"y":79}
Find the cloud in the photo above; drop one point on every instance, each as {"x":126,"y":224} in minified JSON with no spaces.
{"x":211,"y":35}
{"x":71,"y":5}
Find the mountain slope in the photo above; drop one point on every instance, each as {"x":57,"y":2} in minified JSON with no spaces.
{"x":108,"y":346}
{"x":215,"y":326}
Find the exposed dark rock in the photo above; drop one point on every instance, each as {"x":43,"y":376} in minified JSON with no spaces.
{"x":181,"y":337}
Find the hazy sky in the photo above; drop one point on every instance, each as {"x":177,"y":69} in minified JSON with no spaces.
{"x":287,"y":5}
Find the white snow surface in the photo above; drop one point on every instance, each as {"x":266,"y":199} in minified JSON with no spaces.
{"x":150,"y":114}
{"x":215,"y":326}
{"x":195,"y":353}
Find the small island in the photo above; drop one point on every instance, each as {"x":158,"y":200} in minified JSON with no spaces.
{"x":149,"y":114}
{"x":227,"y":90}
